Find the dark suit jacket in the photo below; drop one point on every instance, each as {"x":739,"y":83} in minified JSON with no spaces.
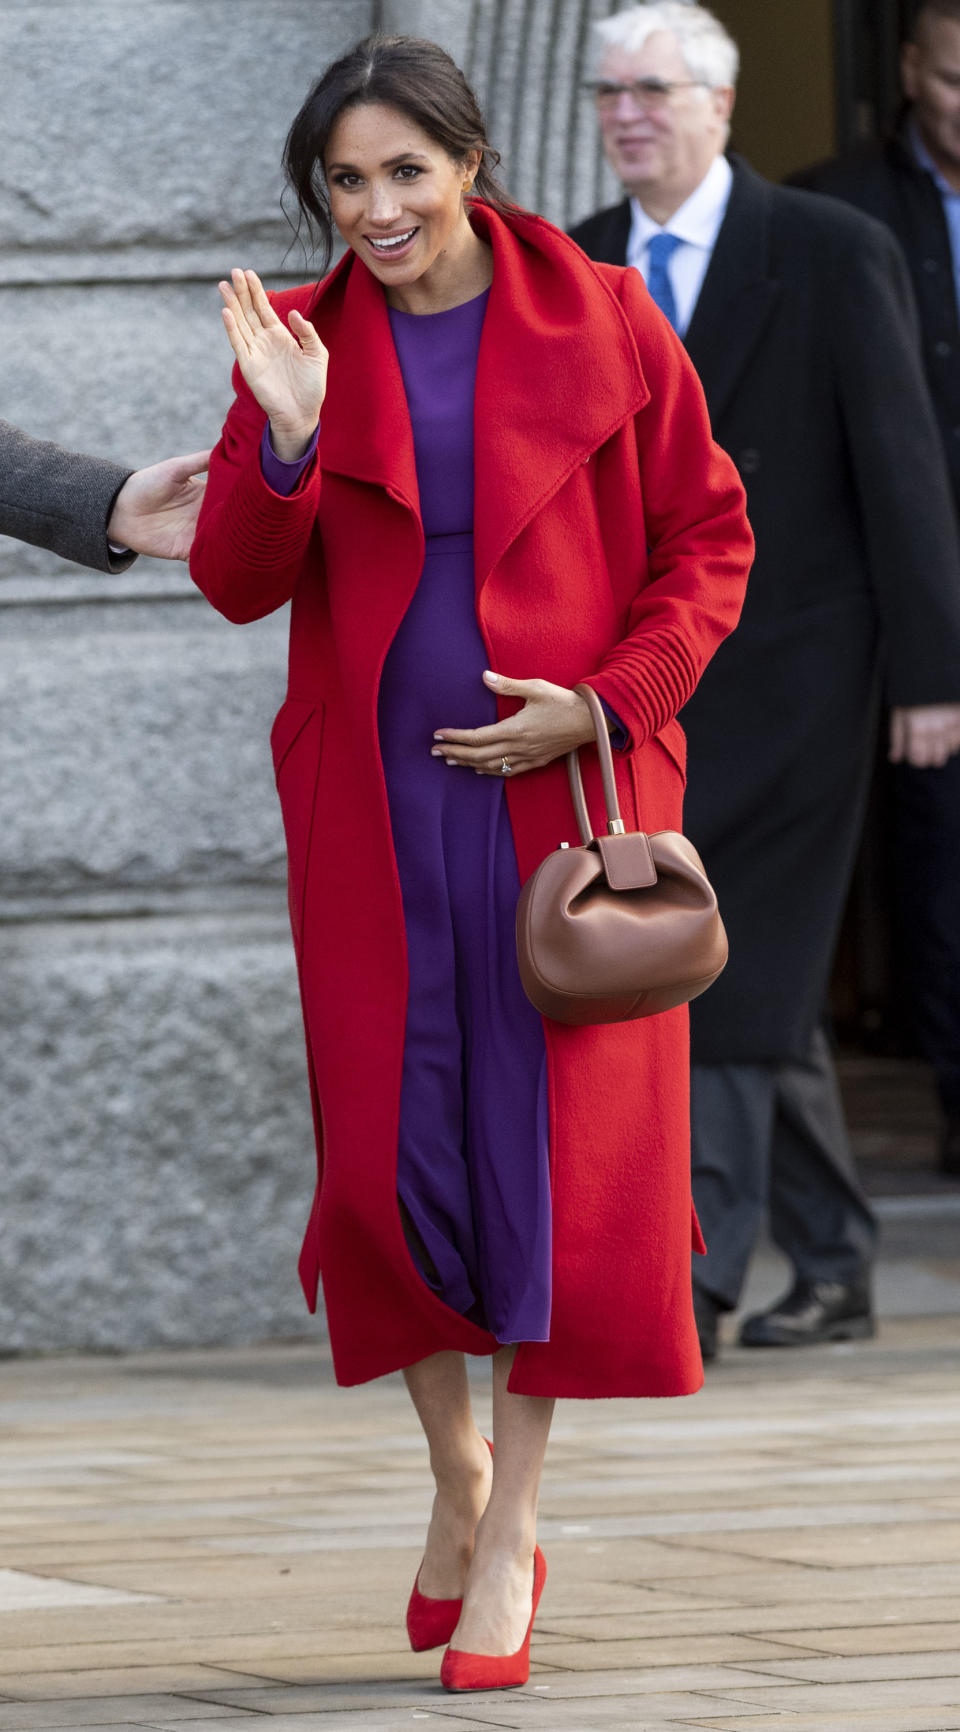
{"x":804,"y":339}
{"x":57,"y":499}
{"x":885,"y":180}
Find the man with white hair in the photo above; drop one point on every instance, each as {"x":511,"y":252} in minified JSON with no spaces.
{"x":796,"y":312}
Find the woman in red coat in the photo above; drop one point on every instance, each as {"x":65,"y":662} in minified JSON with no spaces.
{"x":512,"y":489}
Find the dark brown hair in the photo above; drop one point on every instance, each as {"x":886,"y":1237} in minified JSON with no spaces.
{"x":410,"y":74}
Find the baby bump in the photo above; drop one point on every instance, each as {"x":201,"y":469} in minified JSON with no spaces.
{"x":433,"y":675}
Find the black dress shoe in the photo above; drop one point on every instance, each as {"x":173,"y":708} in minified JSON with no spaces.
{"x":706,"y":1313}
{"x":812,"y":1311}
{"x":949,"y":1162}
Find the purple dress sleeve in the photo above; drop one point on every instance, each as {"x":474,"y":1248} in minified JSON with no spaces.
{"x":280,"y":476}
{"x":619,"y":738}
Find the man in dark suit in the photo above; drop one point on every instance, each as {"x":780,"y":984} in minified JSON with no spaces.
{"x":797,"y":314}
{"x":94,"y":512}
{"x":911,"y":182}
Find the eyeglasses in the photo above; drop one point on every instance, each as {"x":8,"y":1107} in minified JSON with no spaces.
{"x":643,"y":93}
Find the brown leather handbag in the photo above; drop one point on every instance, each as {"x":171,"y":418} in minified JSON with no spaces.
{"x":623,"y":926}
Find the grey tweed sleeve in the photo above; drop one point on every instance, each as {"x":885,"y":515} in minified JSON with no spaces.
{"x":58,"y":499}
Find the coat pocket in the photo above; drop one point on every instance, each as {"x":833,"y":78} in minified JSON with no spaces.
{"x":674,"y":742}
{"x":296,"y":740}
{"x":697,"y":1241}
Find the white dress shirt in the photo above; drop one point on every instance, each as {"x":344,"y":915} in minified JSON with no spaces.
{"x":696,"y":225}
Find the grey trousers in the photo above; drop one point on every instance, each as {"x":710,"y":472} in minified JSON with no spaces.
{"x":773,"y":1137}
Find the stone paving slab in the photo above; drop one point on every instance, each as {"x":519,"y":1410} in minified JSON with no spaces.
{"x":94,"y":1680}
{"x":105,"y":1711}
{"x":20,"y":1588}
{"x":869,"y":1720}
{"x":513,"y":1708}
{"x":847,"y":1698}
{"x":866,"y":1639}
{"x":864,"y":1667}
{"x":781,"y":1550}
{"x":112,"y":1725}
{"x":382,"y":1720}
{"x":790,"y":1624}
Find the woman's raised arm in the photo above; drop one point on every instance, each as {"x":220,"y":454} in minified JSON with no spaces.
{"x":250,"y":540}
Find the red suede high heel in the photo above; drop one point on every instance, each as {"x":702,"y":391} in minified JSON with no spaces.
{"x":495,"y":1671}
{"x":431,"y":1623}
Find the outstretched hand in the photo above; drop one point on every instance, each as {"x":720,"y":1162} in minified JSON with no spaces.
{"x":156,"y":509}
{"x":551,"y":723}
{"x":286,"y":369}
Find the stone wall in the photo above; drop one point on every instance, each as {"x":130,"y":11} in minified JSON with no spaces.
{"x":154,"y":1128}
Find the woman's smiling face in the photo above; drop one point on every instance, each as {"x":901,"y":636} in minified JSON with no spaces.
{"x":396,"y":196}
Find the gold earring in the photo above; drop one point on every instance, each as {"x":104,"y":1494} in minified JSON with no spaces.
{"x":467,"y":185}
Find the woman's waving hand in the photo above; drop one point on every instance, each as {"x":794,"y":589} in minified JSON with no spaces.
{"x":286,"y":369}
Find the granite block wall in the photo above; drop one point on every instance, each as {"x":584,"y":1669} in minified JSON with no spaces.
{"x":155,"y":1135}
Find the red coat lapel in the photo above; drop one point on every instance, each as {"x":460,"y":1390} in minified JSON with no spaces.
{"x":365,"y":429}
{"x":558,"y":373}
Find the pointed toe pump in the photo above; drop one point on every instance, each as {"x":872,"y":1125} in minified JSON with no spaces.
{"x":431,"y":1623}
{"x":495,"y":1671}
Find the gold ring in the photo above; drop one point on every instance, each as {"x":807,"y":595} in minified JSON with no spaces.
{"x":504,"y":767}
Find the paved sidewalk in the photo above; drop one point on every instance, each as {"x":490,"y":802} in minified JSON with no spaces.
{"x":207,"y":1537}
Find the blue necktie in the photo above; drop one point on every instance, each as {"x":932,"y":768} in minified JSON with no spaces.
{"x":661,"y":250}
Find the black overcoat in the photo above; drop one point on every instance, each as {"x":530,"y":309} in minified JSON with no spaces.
{"x":804,"y":336}
{"x":884,"y":179}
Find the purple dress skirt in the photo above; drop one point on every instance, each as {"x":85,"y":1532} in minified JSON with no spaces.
{"x":473,"y":1176}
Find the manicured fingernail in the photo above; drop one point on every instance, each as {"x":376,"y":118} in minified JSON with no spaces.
{"x":493,"y":678}
{"x":438,"y":736}
{"x":435,"y":752}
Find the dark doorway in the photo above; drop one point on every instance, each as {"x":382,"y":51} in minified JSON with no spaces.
{"x":868,"y":37}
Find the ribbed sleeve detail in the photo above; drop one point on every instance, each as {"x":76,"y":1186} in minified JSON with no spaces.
{"x":250,"y":542}
{"x":646,"y":681}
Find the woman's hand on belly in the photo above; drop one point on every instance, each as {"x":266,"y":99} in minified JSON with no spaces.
{"x":552,"y":722}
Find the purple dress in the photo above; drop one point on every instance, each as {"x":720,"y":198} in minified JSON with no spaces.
{"x":473,"y":1161}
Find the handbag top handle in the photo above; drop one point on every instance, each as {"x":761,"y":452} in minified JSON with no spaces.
{"x":615,"y":824}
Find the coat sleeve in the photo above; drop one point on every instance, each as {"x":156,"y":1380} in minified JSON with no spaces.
{"x":899,"y":469}
{"x":250,"y":542}
{"x":700,"y":546}
{"x":58,"y":499}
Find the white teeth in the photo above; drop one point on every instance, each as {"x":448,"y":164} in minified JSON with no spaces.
{"x":388,"y":245}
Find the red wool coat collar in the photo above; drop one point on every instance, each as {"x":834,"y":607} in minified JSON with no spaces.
{"x":551,"y":337}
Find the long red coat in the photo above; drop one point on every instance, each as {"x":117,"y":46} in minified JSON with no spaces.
{"x":610,"y":542}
